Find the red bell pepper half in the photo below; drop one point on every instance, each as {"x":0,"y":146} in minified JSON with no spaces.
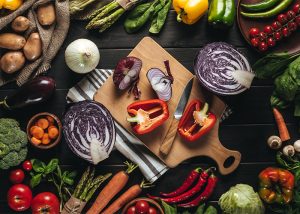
{"x":147,"y":115}
{"x":196,"y":121}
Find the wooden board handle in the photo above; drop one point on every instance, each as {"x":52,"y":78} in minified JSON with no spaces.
{"x":167,"y":143}
{"x":225,"y":155}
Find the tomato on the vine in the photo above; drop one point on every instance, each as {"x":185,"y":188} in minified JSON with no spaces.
{"x":152,"y":210}
{"x":27,"y":165}
{"x":263,"y":46}
{"x":16,"y":176}
{"x":131,"y":210}
{"x":268,"y":29}
{"x":142,"y":207}
{"x":282,"y":18}
{"x":253,"y":32}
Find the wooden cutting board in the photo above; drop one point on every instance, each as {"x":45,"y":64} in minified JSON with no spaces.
{"x":153,"y":55}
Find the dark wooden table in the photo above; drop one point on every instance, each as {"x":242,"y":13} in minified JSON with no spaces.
{"x":246,"y":130}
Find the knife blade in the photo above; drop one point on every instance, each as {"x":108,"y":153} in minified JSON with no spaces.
{"x":167,"y":143}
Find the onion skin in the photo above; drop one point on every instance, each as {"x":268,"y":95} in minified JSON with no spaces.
{"x":88,"y":121}
{"x":127,"y":72}
{"x":35,"y":91}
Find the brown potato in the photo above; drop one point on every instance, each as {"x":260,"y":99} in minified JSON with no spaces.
{"x":46,"y":14}
{"x":20,"y":24}
{"x":12,"y":61}
{"x":12,"y":41}
{"x":33,"y":47}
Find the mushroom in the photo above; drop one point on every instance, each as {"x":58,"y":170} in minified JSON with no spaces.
{"x":297,"y":145}
{"x":274,"y":142}
{"x":288,"y":151}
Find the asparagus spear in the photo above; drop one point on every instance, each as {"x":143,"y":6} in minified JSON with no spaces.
{"x":97,"y":182}
{"x":81,"y":183}
{"x":79,"y":5}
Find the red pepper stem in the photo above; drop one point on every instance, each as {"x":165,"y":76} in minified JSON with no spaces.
{"x":199,"y":169}
{"x":201,"y":115}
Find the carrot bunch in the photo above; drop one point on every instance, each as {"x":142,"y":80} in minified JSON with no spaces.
{"x":44,"y":131}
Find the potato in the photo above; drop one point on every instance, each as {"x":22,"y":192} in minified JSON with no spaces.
{"x":12,"y":41}
{"x":12,"y":61}
{"x":33,"y":47}
{"x":46,"y":14}
{"x":20,"y":24}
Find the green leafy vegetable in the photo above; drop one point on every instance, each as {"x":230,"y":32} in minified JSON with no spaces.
{"x":168,"y":208}
{"x":278,"y":102}
{"x":200,"y":209}
{"x":13,"y":143}
{"x":285,"y":86}
{"x":52,"y":173}
{"x":211,"y":210}
{"x":241,"y":198}
{"x":159,"y":21}
{"x":272,"y":64}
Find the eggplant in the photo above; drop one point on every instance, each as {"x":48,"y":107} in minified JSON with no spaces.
{"x":35,"y":91}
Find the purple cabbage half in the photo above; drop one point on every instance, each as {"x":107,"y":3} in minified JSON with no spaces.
{"x":222,"y":69}
{"x":89,"y":130}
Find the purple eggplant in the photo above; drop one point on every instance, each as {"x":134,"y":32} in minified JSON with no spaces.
{"x":35,"y":91}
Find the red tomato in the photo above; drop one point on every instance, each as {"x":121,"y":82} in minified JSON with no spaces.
{"x":19,"y":197}
{"x":152,"y":210}
{"x":253,"y":32}
{"x":142,"y":207}
{"x":131,"y":210}
{"x":16,"y":176}
{"x":27,"y":165}
{"x":45,"y":202}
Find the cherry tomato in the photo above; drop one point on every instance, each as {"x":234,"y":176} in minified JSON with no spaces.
{"x":263,"y":46}
{"x":16,"y":176}
{"x":45,"y":202}
{"x":268,"y":29}
{"x":282,"y":19}
{"x":276,"y":25}
{"x":296,"y":8}
{"x":271,"y":42}
{"x":131,"y":210}
{"x":142,"y":207}
{"x":290,"y":15}
{"x":255,"y":42}
{"x":253,"y":32}
{"x":292,"y":26}
{"x":152,"y":210}
{"x":19,"y":197}
{"x":27,"y":165}
{"x":286,"y":32}
{"x":297,"y":20}
{"x":277,"y":36}
{"x":262,"y":36}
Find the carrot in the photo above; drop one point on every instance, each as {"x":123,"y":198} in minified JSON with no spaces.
{"x":38,"y":132}
{"x":36,"y":141}
{"x":283,"y":131}
{"x":115,"y":185}
{"x":132,"y":193}
{"x":50,"y":119}
{"x":43,"y":123}
{"x":46,"y":140}
{"x":53,"y":132}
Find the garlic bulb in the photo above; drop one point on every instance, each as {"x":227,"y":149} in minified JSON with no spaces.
{"x":288,"y":151}
{"x":274,"y":142}
{"x":82,"y":56}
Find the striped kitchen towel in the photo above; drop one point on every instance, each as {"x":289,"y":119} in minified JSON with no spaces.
{"x":126,"y":143}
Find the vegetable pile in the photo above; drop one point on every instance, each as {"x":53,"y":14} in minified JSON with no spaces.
{"x":13,"y":143}
{"x":222,"y":69}
{"x":89,"y":131}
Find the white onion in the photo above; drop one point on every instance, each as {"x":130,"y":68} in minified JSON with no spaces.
{"x":82,"y":56}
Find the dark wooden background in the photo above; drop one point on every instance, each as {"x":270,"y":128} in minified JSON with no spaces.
{"x":246,"y":130}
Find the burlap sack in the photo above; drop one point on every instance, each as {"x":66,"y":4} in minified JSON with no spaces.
{"x":52,"y":37}
{"x":73,"y":206}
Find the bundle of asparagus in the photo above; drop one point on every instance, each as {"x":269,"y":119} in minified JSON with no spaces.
{"x":107,"y":15}
{"x":84,"y":191}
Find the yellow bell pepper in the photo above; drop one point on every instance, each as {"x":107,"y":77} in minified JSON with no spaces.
{"x":12,"y":4}
{"x":190,"y":11}
{"x":1,"y":3}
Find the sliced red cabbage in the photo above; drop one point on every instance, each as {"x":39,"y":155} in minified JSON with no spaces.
{"x":222,"y":69}
{"x":89,"y":130}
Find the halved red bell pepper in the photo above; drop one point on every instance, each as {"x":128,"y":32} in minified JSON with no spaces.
{"x":196,"y":121}
{"x":147,"y":115}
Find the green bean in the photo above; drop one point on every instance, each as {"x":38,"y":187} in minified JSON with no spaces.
{"x":260,"y":6}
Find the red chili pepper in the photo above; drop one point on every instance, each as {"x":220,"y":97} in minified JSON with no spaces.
{"x":211,"y":184}
{"x":196,"y":121}
{"x":201,"y":181}
{"x":147,"y":115}
{"x":194,"y":174}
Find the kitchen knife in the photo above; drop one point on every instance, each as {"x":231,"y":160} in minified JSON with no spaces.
{"x":167,"y":143}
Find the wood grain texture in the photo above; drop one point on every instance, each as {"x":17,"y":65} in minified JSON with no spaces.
{"x":168,"y":141}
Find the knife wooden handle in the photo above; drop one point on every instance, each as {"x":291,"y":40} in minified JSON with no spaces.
{"x":167,"y":143}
